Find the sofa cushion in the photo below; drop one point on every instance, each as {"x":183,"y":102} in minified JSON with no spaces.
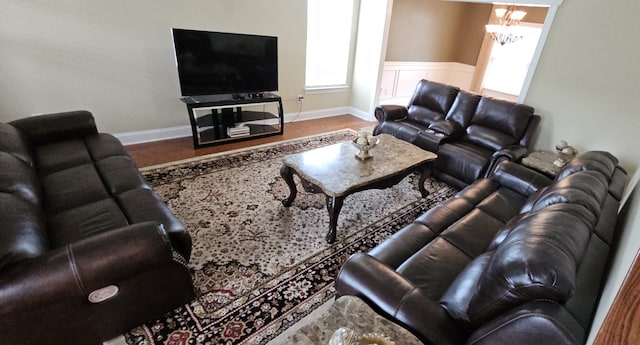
{"x":104,"y":145}
{"x":71,"y":188}
{"x":600,"y":161}
{"x":450,"y":128}
{"x":463,"y":160}
{"x":119,"y":174}
{"x":504,"y":116}
{"x":143,"y":205}
{"x":24,"y":233}
{"x":430,"y":102}
{"x":586,"y":188}
{"x":85,"y":221}
{"x":457,"y":297}
{"x":463,"y":108}
{"x":434,"y":267}
{"x":18,"y":178}
{"x":61,"y":155}
{"x":15,"y":144}
{"x":537,"y":260}
{"x":488,"y":138}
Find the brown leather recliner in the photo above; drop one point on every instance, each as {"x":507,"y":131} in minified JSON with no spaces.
{"x":512,"y":259}
{"x":470,"y":133}
{"x":87,"y":249}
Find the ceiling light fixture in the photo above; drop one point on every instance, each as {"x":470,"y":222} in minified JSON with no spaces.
{"x":504,"y":30}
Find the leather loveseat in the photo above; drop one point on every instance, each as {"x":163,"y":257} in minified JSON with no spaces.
{"x":470,"y":133}
{"x":515,"y":258}
{"x":87,"y":249}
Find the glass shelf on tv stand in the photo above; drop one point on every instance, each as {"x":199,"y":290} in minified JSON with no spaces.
{"x":217,"y":119}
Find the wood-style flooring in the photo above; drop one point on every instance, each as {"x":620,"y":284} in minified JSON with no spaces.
{"x":165,"y":151}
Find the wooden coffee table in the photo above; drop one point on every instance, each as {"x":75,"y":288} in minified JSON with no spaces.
{"x":334,"y":171}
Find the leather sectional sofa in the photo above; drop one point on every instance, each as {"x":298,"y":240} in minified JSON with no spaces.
{"x":514,"y":258}
{"x":470,"y":133}
{"x":87,"y":249}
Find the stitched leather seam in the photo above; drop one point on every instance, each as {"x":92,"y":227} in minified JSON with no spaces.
{"x":74,"y":269}
{"x":395,"y":312}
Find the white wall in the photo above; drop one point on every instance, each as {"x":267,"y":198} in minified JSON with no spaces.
{"x":399,"y":78}
{"x":115,"y":58}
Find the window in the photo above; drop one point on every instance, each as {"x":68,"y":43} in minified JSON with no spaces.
{"x":509,"y":64}
{"x":329,"y":28}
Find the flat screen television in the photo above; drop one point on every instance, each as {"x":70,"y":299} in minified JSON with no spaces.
{"x":214,"y":63}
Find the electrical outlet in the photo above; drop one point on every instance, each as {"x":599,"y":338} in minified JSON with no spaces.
{"x":300,"y":98}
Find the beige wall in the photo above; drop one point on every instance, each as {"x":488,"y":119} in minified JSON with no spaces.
{"x":436,"y":31}
{"x":534,"y":14}
{"x":115,"y":58}
{"x":471,"y":33}
{"x":587,"y":89}
{"x":441,"y":31}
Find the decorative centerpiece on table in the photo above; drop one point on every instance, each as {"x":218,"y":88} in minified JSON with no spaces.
{"x":565,"y":153}
{"x":365,"y":142}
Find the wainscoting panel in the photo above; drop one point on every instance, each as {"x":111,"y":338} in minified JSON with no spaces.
{"x":399,"y":79}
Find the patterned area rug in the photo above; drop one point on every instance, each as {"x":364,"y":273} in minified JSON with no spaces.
{"x":258,"y":266}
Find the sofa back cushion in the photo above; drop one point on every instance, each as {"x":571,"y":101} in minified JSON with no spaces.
{"x":586,"y":188}
{"x":23,"y":232}
{"x":497,"y":123}
{"x":463,"y":108}
{"x":430,"y":102}
{"x":538,"y":259}
{"x":600,"y":161}
{"x":15,"y":143}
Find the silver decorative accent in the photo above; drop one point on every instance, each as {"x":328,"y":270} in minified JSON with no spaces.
{"x":364,"y":143}
{"x":344,"y":336}
{"x":103,"y":294}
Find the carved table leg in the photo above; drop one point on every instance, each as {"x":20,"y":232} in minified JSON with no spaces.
{"x":425,"y":171}
{"x":287,"y":174}
{"x":334,"y":205}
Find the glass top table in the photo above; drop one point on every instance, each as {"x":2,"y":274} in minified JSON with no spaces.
{"x":335,"y":171}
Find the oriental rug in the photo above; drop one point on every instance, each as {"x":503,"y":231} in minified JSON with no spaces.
{"x":259,"y":267}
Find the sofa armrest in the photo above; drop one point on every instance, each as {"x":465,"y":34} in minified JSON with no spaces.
{"x":447,"y":127}
{"x":511,"y":153}
{"x":523,"y":324}
{"x":390,"y":113}
{"x":397,"y":298}
{"x":519,"y":178}
{"x":56,"y":126}
{"x":74,"y":271}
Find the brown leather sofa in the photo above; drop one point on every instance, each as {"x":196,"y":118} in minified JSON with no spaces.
{"x":87,"y":249}
{"x":470,"y":133}
{"x":515,"y":258}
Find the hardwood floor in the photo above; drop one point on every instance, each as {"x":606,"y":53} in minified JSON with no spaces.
{"x":164,"y":151}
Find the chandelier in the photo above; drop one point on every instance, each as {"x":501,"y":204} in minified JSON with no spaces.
{"x":504,"y":30}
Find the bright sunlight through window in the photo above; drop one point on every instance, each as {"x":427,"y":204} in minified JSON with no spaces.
{"x":328,"y":42}
{"x":509,"y":64}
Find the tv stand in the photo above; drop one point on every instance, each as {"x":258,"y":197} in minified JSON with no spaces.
{"x":220,"y":119}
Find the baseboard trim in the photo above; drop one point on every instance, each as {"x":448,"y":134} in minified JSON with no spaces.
{"x":140,"y":137}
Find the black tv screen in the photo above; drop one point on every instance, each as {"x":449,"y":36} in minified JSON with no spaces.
{"x":212,"y":63}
